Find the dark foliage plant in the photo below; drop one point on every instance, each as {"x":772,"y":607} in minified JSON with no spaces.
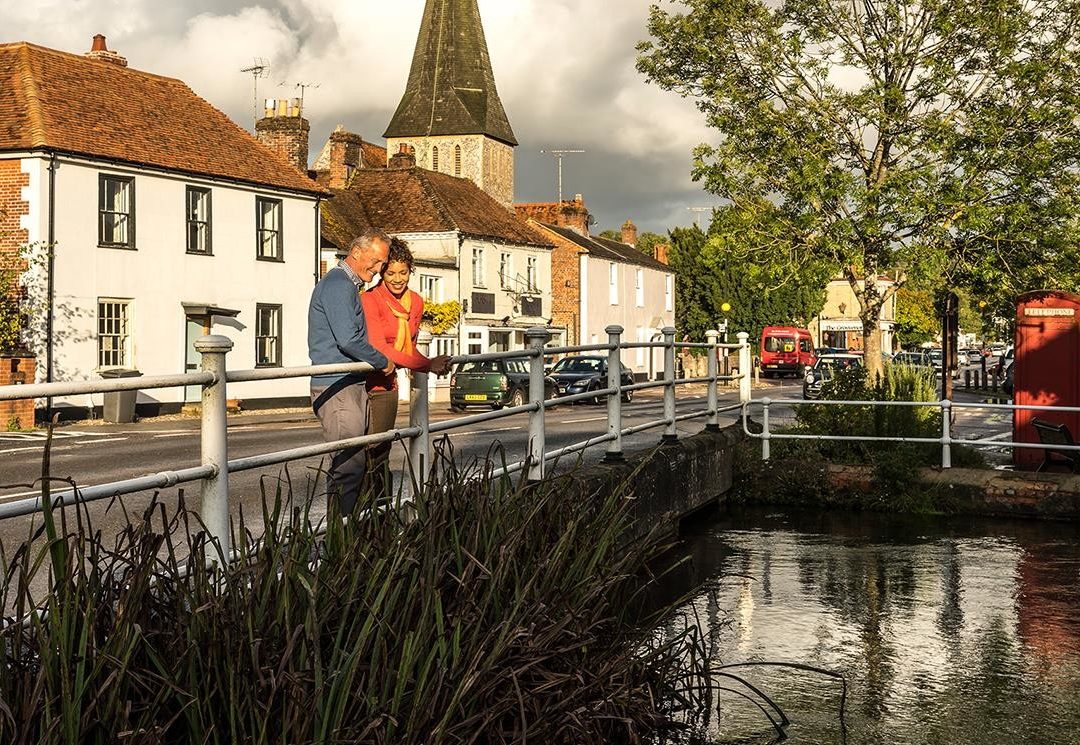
{"x":491,"y":612}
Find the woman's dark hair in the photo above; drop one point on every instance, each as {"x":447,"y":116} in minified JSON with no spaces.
{"x":399,"y":251}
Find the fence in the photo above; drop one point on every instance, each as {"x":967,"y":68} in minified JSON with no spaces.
{"x":946,"y":440}
{"x":214,"y":377}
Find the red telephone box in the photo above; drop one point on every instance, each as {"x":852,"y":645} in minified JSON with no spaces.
{"x":1047,"y":366}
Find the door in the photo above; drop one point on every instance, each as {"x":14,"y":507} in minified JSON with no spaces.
{"x":196,"y":328}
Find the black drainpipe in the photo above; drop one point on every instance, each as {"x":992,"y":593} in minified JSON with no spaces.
{"x":51,"y":284}
{"x":318,"y":238}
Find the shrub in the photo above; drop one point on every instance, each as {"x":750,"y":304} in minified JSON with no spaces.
{"x":500,"y":612}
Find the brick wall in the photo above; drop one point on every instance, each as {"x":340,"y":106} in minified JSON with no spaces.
{"x":16,"y":371}
{"x":565,"y":285}
{"x":12,"y":207}
{"x":288,"y":137}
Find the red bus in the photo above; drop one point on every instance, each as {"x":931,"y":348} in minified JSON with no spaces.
{"x":786,"y":350}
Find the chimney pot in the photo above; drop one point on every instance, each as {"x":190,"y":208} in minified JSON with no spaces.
{"x":99,"y":44}
{"x":629,"y":233}
{"x":99,"y":50}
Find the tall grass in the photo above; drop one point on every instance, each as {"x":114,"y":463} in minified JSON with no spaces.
{"x":500,"y":612}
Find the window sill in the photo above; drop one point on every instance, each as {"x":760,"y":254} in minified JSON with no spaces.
{"x":271,"y":259}
{"x":189,"y":252}
{"x":118,"y":246}
{"x":264,"y":365}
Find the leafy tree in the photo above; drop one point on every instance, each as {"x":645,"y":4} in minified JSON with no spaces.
{"x":723,"y":268}
{"x":933,"y":137}
{"x":916,"y":319}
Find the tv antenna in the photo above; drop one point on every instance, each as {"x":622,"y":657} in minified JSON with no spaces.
{"x":698,"y":211}
{"x":559,"y":155}
{"x":303,"y":87}
{"x":259,"y":69}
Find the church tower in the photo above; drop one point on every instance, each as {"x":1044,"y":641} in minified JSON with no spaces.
{"x":451,"y":118}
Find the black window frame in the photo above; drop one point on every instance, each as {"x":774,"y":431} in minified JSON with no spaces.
{"x":103,"y":179}
{"x":209,"y":222}
{"x":259,"y":308}
{"x":259,"y":229}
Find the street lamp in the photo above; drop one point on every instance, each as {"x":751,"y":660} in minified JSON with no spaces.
{"x":725,"y":309}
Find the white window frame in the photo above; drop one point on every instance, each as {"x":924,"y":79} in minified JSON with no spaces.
{"x":639,"y":288}
{"x":613,"y":283}
{"x":532,"y":273}
{"x":119,"y":334}
{"x":478,"y":266}
{"x":506,"y":269}
{"x":431,"y":288}
{"x":669,"y":293}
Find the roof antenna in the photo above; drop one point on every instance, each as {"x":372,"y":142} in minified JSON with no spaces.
{"x":260,"y":69}
{"x":559,"y":155}
{"x":303,"y":87}
{"x":698,"y":211}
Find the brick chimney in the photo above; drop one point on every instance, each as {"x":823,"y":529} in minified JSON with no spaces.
{"x":405,"y":157}
{"x":100,"y":51}
{"x":574,"y":215}
{"x":284,"y":131}
{"x":660,"y":252}
{"x":344,"y":157}
{"x":629,"y":233}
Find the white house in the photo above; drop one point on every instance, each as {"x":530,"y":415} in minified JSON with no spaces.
{"x":600,"y":282}
{"x":168,"y":221}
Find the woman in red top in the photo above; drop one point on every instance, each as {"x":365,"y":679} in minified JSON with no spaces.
{"x":392,"y":312}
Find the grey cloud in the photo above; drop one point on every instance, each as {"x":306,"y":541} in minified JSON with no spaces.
{"x":564,"y":68}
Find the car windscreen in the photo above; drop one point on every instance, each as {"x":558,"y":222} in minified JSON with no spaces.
{"x":579,"y":365}
{"x":480,"y":367}
{"x":517,"y":366}
{"x":779,"y":344}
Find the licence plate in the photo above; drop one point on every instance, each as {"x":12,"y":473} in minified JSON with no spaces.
{"x":475,"y":397}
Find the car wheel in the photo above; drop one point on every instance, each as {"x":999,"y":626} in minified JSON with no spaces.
{"x":627,"y":397}
{"x":455,"y":408}
{"x":518,"y":399}
{"x":496,"y":406}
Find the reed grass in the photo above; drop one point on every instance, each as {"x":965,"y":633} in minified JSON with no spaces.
{"x":499,"y":612}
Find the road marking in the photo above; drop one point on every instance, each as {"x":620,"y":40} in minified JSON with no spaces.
{"x":175,"y":434}
{"x":578,"y":421}
{"x":1001,"y":436}
{"x":17,"y":495}
{"x":18,"y":450}
{"x":107,"y":439}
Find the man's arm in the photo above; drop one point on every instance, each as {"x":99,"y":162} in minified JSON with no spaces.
{"x":342,"y":307}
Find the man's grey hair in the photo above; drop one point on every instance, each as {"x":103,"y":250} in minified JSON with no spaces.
{"x":369,"y":236}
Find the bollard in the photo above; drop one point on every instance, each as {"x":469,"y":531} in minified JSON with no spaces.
{"x":967,"y":380}
{"x":614,"y":452}
{"x":215,"y":448}
{"x":744,"y":367}
{"x":670,"y":434}
{"x":713,"y":338}
{"x":765,"y":429}
{"x":946,"y":434}
{"x":994,"y":382}
{"x":536,"y":337}
{"x":420,"y":446}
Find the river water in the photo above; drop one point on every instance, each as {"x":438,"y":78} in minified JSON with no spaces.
{"x":948,"y":630}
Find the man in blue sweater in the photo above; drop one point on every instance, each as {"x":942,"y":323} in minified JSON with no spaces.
{"x":337,"y":334}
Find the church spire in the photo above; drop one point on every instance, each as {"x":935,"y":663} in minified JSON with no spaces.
{"x":451,"y":88}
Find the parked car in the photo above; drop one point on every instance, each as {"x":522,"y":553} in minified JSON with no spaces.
{"x":1004,"y":361}
{"x":820,"y":351}
{"x":915,"y":359}
{"x":785,"y":349}
{"x":582,"y":373}
{"x":494,"y":383}
{"x":1007,"y":381}
{"x":825,"y":368}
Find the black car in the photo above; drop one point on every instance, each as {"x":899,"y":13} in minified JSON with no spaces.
{"x":825,"y":368}
{"x":494,"y":383}
{"x":582,"y":373}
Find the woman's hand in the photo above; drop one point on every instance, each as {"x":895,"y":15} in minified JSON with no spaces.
{"x":440,"y":365}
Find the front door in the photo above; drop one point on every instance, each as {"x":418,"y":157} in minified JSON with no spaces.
{"x":197,"y":326}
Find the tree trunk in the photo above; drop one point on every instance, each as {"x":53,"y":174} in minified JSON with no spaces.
{"x":872,"y":343}
{"x":950,"y":331}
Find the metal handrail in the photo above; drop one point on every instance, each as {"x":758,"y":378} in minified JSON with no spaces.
{"x":214,"y":377}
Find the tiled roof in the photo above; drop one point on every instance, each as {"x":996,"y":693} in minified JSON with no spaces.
{"x":451,"y":87}
{"x":602,"y":248}
{"x":73,"y":104}
{"x":371,"y":155}
{"x":414,"y":200}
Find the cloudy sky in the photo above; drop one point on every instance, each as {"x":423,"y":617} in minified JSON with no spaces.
{"x":565,"y":71}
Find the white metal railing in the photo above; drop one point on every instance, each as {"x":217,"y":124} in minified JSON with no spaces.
{"x":946,"y":440}
{"x":214,"y":377}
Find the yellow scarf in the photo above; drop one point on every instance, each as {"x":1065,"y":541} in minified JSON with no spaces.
{"x":403,"y":343}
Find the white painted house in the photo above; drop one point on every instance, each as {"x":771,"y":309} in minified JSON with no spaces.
{"x":168,"y":221}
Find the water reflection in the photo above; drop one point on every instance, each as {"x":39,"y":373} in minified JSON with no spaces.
{"x":948,"y":631}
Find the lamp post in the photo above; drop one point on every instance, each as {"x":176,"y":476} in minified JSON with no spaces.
{"x":725,"y":308}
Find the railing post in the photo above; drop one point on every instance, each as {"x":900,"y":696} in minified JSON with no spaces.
{"x":765,"y":429}
{"x":713,"y":338}
{"x":946,"y":434}
{"x":670,"y":434}
{"x":420,"y":446}
{"x":537,"y":337}
{"x":614,"y":452}
{"x":215,"y":447}
{"x":744,"y":367}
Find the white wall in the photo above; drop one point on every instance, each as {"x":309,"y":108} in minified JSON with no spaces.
{"x":597,"y":311}
{"x":159,"y":275}
{"x":504,"y":301}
